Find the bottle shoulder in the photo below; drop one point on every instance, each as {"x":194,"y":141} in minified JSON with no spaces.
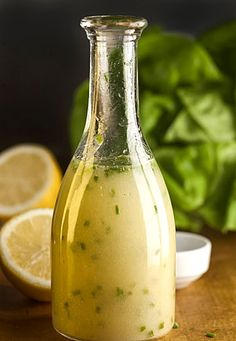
{"x":104,"y":151}
{"x":147,"y":172}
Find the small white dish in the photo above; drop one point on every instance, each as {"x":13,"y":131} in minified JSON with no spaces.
{"x":193,"y":253}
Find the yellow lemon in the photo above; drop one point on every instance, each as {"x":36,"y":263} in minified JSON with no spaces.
{"x":25,"y":252}
{"x":29,"y":178}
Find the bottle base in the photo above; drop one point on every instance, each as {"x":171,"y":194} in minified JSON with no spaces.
{"x":76,"y":339}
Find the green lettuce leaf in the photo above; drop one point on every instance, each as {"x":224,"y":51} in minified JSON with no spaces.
{"x":219,"y":208}
{"x":188,"y":171}
{"x":173,"y":60}
{"x":220,"y":43}
{"x":184,"y":129}
{"x":156,"y":112}
{"x":215,"y":117}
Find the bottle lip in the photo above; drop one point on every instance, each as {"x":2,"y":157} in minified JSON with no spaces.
{"x":113,"y":22}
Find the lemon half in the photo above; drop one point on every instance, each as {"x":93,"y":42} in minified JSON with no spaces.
{"x":25,"y":252}
{"x":29,"y":177}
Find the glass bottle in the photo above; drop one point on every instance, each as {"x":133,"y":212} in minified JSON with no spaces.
{"x":113,"y":239}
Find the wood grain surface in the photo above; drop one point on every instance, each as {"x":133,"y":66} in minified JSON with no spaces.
{"x":208,"y":305}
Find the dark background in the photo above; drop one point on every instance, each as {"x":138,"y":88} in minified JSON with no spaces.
{"x":44,"y":56}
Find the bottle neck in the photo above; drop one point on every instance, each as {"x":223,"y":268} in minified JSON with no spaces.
{"x":112,"y":133}
{"x":113,"y":84}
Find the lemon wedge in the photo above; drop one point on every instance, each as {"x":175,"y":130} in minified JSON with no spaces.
{"x":29,"y":178}
{"x":25,"y":252}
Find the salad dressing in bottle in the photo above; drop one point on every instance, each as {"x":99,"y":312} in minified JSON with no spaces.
{"x":113,"y":238}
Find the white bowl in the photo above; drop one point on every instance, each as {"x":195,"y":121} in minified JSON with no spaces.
{"x":193,"y":253}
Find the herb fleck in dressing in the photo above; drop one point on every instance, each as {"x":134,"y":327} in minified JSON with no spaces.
{"x":210,"y":335}
{"x":86,"y":223}
{"x":142,"y":328}
{"x":175,"y":325}
{"x":150,"y":333}
{"x":95,"y":178}
{"x":117,"y":209}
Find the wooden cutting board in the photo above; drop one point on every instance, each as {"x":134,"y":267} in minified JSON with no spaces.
{"x":208,"y":305}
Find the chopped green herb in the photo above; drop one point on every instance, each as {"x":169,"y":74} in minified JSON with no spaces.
{"x":99,"y":138}
{"x":94,"y":167}
{"x":75,"y":163}
{"x":117,"y":209}
{"x":145,"y":291}
{"x":95,"y":178}
{"x":155,"y":208}
{"x":98,"y":310}
{"x":161,"y":325}
{"x":176,"y":325}
{"x":112,"y":192}
{"x":107,"y":172}
{"x":210,"y":334}
{"x":75,"y":246}
{"x":106,"y":76}
{"x":76,"y":292}
{"x":66,"y":306}
{"x":82,"y":246}
{"x":142,"y":328}
{"x":86,"y":223}
{"x":120,"y":292}
{"x":150,"y":333}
